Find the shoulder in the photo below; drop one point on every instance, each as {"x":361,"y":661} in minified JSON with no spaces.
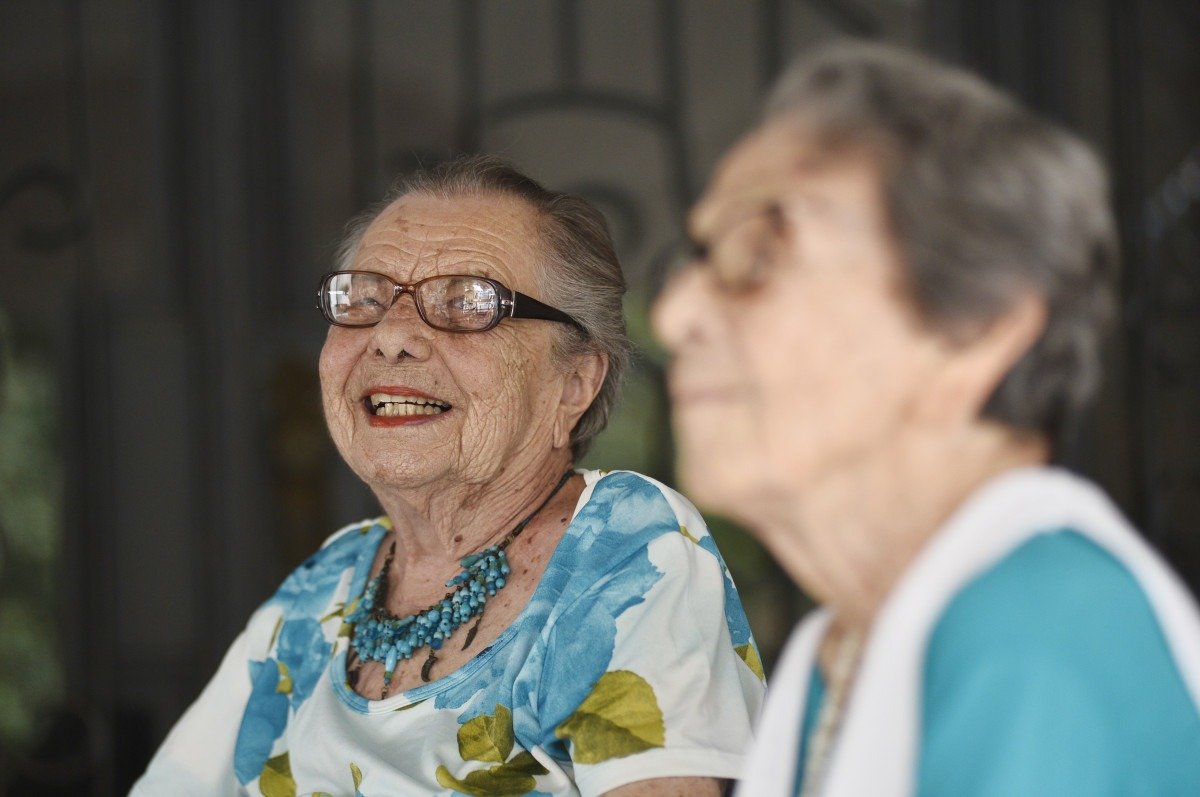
{"x":308,"y":588}
{"x":627,"y":503}
{"x":1053,"y":661}
{"x":626,"y":514}
{"x":1057,"y":595}
{"x":628,"y":530}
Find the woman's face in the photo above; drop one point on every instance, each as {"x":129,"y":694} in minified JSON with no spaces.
{"x":500,"y":388}
{"x":812,"y":359}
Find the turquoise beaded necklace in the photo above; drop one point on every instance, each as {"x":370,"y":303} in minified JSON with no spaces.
{"x":379,"y":635}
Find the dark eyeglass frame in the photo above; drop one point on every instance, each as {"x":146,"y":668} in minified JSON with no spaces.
{"x":513,"y":304}
{"x":698,"y":253}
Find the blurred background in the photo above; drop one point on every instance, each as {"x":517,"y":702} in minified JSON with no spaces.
{"x":174,"y":175}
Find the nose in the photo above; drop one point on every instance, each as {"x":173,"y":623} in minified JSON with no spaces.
{"x":401,"y":333}
{"x":676,"y":314}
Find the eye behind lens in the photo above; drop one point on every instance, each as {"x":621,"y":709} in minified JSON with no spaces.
{"x":460,"y":303}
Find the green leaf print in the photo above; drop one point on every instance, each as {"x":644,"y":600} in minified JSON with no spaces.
{"x":620,"y":717}
{"x":490,"y":738}
{"x":526,"y":763}
{"x":285,"y":679}
{"x":276,"y":778}
{"x":356,"y":773}
{"x":683,"y":530}
{"x":339,"y":611}
{"x":487,"y":738}
{"x":275,"y":633}
{"x":502,"y":780}
{"x":749,"y":655}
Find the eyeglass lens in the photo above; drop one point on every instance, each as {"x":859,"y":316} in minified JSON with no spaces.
{"x":737,"y":256}
{"x":454,"y":303}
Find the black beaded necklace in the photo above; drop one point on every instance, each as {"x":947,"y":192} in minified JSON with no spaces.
{"x":379,"y":635}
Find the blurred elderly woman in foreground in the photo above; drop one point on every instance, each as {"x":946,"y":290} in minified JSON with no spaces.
{"x":892,"y":315}
{"x":511,"y":625}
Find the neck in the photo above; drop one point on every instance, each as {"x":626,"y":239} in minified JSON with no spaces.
{"x":438,"y":523}
{"x":848,"y":539}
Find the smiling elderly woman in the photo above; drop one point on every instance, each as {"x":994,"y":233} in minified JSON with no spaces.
{"x":892,"y":315}
{"x":510,"y":625}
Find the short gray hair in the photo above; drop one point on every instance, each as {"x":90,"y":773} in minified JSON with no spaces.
{"x":580,"y":275}
{"x":986,"y":201}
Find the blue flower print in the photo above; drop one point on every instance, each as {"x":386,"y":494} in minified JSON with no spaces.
{"x":625,"y":513}
{"x":735,"y":615}
{"x":262,"y":723}
{"x":303,"y":649}
{"x":309,"y":588}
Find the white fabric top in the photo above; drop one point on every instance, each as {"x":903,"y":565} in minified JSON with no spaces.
{"x":633,"y":660}
{"x":876,"y":750}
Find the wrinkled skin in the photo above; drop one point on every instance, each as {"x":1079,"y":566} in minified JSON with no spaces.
{"x":505,"y":390}
{"x":459,"y":481}
{"x":815,"y":405}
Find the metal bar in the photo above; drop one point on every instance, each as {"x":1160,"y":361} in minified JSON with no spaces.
{"x":569,"y":42}
{"x":470,"y":47}
{"x":1124,"y":31}
{"x":770,"y":34}
{"x":848,"y":17}
{"x":362,"y":102}
{"x":679,"y":155}
{"x":558,"y":99}
{"x":92,"y":525}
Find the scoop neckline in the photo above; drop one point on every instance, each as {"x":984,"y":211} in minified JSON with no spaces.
{"x":419,"y":694}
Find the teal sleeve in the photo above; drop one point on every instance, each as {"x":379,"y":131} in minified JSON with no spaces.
{"x":1049,"y":675}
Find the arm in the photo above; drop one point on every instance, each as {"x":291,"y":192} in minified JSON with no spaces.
{"x":197,"y":757}
{"x":1049,"y":675}
{"x":671,"y":787}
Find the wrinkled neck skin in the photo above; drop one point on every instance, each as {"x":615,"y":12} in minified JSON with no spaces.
{"x":850,"y":536}
{"x":437,"y":524}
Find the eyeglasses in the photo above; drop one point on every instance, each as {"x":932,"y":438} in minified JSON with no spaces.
{"x":450,"y":302}
{"x":738,"y":256}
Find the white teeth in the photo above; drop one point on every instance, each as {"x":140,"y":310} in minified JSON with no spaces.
{"x":387,"y":405}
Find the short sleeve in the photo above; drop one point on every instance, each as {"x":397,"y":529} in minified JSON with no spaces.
{"x":196,"y":760}
{"x":223,"y":738}
{"x":642,"y":679}
{"x":1049,"y":675}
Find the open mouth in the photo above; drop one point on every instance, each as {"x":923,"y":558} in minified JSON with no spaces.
{"x":387,"y":405}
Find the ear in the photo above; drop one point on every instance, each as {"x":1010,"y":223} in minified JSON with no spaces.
{"x":972,"y":370}
{"x":580,"y":387}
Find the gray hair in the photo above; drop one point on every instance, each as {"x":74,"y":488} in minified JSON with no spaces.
{"x":986,"y":202}
{"x":580,"y":274}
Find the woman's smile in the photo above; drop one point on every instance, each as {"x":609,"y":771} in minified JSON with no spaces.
{"x":389,"y":406}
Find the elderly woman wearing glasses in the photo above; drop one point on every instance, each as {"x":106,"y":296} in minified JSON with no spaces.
{"x":510,"y":625}
{"x":891,"y":316}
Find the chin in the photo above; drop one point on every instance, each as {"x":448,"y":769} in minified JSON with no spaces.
{"x":711,"y":477}
{"x":396,"y":472}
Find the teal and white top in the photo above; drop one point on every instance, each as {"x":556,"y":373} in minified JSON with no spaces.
{"x":1037,"y":646}
{"x":632,"y":660}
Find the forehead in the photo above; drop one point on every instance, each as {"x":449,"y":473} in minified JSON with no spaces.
{"x":420,"y":235}
{"x":777,"y":161}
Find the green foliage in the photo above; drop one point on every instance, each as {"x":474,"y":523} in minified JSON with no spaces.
{"x":30,"y":494}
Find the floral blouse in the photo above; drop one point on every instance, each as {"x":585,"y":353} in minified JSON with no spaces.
{"x":633,"y":660}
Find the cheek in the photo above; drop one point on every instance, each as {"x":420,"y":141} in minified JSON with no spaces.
{"x":843,"y":386}
{"x":508,"y":395}
{"x":334,"y":367}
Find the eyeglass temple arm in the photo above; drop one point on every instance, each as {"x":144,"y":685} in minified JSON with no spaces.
{"x":523,"y":306}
